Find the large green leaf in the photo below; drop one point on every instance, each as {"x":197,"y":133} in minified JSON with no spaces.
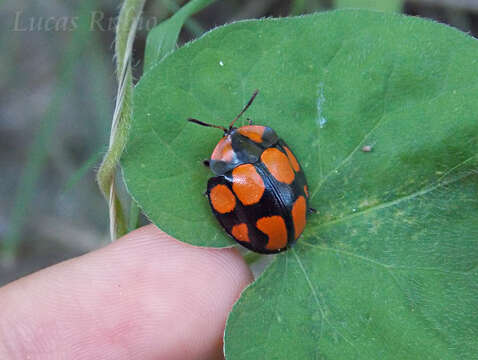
{"x":387,"y":269}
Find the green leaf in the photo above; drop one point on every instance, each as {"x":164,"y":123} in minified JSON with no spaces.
{"x":381,"y":5}
{"x":162,"y":39}
{"x":387,"y":268}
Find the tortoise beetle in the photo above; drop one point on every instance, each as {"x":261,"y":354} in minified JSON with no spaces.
{"x":259,"y":194}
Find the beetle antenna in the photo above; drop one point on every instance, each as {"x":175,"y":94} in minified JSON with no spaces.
{"x":245,"y":108}
{"x":206,"y":124}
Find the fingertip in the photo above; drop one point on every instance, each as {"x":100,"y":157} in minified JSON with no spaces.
{"x":146,"y":294}
{"x":149,"y":240}
{"x":199,"y":284}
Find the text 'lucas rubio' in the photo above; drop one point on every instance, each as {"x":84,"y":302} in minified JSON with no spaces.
{"x":96,"y":21}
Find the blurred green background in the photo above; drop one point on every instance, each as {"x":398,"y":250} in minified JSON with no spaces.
{"x":57,"y":93}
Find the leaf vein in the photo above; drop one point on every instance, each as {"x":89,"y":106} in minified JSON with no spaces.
{"x":317,"y":300}
{"x":375,"y":127}
{"x":389,"y":267}
{"x":394,"y":202}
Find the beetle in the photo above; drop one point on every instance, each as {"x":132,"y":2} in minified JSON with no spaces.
{"x":259,"y":194}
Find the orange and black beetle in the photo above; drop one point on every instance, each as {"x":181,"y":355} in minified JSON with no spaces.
{"x":259,"y":194}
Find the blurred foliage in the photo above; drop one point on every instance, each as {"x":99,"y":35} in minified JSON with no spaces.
{"x":382,"y":5}
{"x":38,"y":152}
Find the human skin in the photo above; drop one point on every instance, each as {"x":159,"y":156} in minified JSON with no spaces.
{"x":145,"y":296}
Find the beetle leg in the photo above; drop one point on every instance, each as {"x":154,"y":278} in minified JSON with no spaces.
{"x":206,"y":163}
{"x":249,"y":121}
{"x":311,"y":210}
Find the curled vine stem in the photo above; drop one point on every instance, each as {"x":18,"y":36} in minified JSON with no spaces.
{"x":125,"y":33}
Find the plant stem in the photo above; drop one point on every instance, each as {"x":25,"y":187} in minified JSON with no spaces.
{"x":125,"y":32}
{"x":134,"y":213}
{"x":251,"y":257}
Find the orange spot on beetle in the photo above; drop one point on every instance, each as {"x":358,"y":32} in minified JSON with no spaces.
{"x":274,"y":227}
{"x":306,"y":191}
{"x":240,"y":232}
{"x":298,"y":215}
{"x":222,"y":199}
{"x":223,"y":150}
{"x":278,"y":165}
{"x":292,"y":159}
{"x":253,"y":132}
{"x":247,"y":184}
